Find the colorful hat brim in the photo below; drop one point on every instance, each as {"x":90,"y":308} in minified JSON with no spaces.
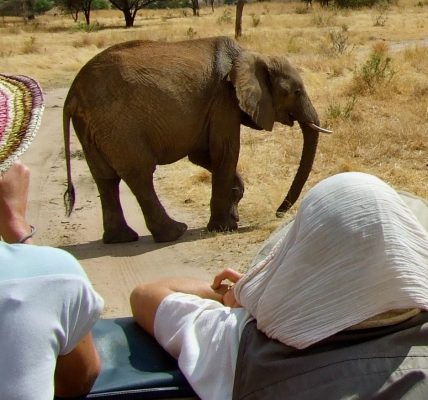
{"x":21,"y":109}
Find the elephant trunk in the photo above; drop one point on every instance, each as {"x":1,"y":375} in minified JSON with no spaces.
{"x":310,"y":142}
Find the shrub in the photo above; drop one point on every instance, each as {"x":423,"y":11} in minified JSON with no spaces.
{"x":339,"y":40}
{"x":31,"y":46}
{"x":375,"y":72}
{"x":226,"y":18}
{"x":167,"y":4}
{"x":379,"y":19}
{"x":354,"y":3}
{"x":41,"y":6}
{"x":301,"y":9}
{"x":100,"y":5}
{"x":92,"y":27}
{"x":337,"y":110}
{"x":191,"y":33}
{"x":255,"y":20}
{"x":323,"y":18}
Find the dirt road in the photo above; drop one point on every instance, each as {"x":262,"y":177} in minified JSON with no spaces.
{"x":113,"y":269}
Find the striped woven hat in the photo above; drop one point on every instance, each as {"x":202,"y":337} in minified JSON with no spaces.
{"x":21,"y":109}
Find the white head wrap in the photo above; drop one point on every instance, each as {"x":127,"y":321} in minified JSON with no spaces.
{"x":355,"y":250}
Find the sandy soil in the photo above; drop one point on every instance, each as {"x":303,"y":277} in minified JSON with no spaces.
{"x":113,"y":269}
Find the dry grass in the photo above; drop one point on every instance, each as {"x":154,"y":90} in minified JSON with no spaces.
{"x":382,"y":129}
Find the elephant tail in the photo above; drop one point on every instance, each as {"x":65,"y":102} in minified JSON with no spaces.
{"x":69,"y":195}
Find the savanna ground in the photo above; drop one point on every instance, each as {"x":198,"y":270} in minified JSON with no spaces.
{"x":366,"y":71}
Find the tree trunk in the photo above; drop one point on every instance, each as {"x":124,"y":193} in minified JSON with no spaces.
{"x":74,"y":15}
{"x":195,"y":8}
{"x":129,"y":18}
{"x":86,"y":7}
{"x":87,"y":14}
{"x":27,"y":10}
{"x":238,"y":21}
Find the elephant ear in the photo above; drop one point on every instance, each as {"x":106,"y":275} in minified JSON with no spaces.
{"x":250,"y":77}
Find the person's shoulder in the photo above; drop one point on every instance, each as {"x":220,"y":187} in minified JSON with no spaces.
{"x":30,"y":260}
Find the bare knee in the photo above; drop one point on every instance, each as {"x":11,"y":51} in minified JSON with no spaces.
{"x":137,"y":298}
{"x":145,"y":300}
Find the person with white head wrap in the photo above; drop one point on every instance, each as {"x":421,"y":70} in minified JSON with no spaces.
{"x":354,"y":256}
{"x":355,"y":250}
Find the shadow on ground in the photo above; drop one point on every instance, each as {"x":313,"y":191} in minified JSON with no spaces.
{"x":145,"y":244}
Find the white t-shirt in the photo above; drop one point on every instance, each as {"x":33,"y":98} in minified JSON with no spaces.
{"x":203,"y":335}
{"x":47,"y":305}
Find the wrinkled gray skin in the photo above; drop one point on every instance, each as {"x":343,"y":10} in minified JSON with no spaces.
{"x":140,"y":104}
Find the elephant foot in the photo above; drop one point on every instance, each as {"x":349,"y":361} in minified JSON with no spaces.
{"x":222,"y":225}
{"x":170,"y":232}
{"x":123,"y":235}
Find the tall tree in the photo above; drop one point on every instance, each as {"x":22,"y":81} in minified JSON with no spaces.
{"x":130,"y":8}
{"x":19,"y":8}
{"x":195,"y":8}
{"x":76,"y":6}
{"x":86,"y":8}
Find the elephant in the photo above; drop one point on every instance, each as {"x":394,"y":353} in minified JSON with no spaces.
{"x":140,"y":104}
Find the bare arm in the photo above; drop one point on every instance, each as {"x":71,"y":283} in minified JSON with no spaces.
{"x":14,"y":185}
{"x":76,"y":371}
{"x":146,"y":297}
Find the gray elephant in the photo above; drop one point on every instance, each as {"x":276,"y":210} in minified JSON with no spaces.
{"x":141,"y":103}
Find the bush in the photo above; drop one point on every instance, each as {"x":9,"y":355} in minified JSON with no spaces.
{"x":339,"y":40}
{"x":100,"y":5}
{"x":380,"y":17}
{"x":191,"y":33}
{"x":323,"y":18}
{"x":226,"y":18}
{"x":336,"y":110}
{"x":84,"y":27}
{"x":41,"y":6}
{"x":376,"y":71}
{"x":167,"y":4}
{"x":301,"y":10}
{"x":31,"y":46}
{"x":355,"y":3}
{"x":255,"y":19}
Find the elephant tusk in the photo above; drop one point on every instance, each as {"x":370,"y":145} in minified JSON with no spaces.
{"x":319,"y":129}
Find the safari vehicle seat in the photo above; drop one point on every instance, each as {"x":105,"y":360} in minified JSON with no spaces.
{"x":134,"y":365}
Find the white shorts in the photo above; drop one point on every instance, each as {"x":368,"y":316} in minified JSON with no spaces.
{"x":203,"y":335}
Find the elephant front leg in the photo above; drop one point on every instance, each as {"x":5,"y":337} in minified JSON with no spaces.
{"x":224,"y":146}
{"x":224,"y":201}
{"x":116,"y":230}
{"x":162,"y":227}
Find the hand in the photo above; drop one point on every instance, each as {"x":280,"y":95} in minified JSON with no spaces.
{"x":226,"y":290}
{"x":14,"y":186}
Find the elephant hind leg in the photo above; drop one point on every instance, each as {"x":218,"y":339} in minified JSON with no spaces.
{"x":116,"y":230}
{"x":162,"y":227}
